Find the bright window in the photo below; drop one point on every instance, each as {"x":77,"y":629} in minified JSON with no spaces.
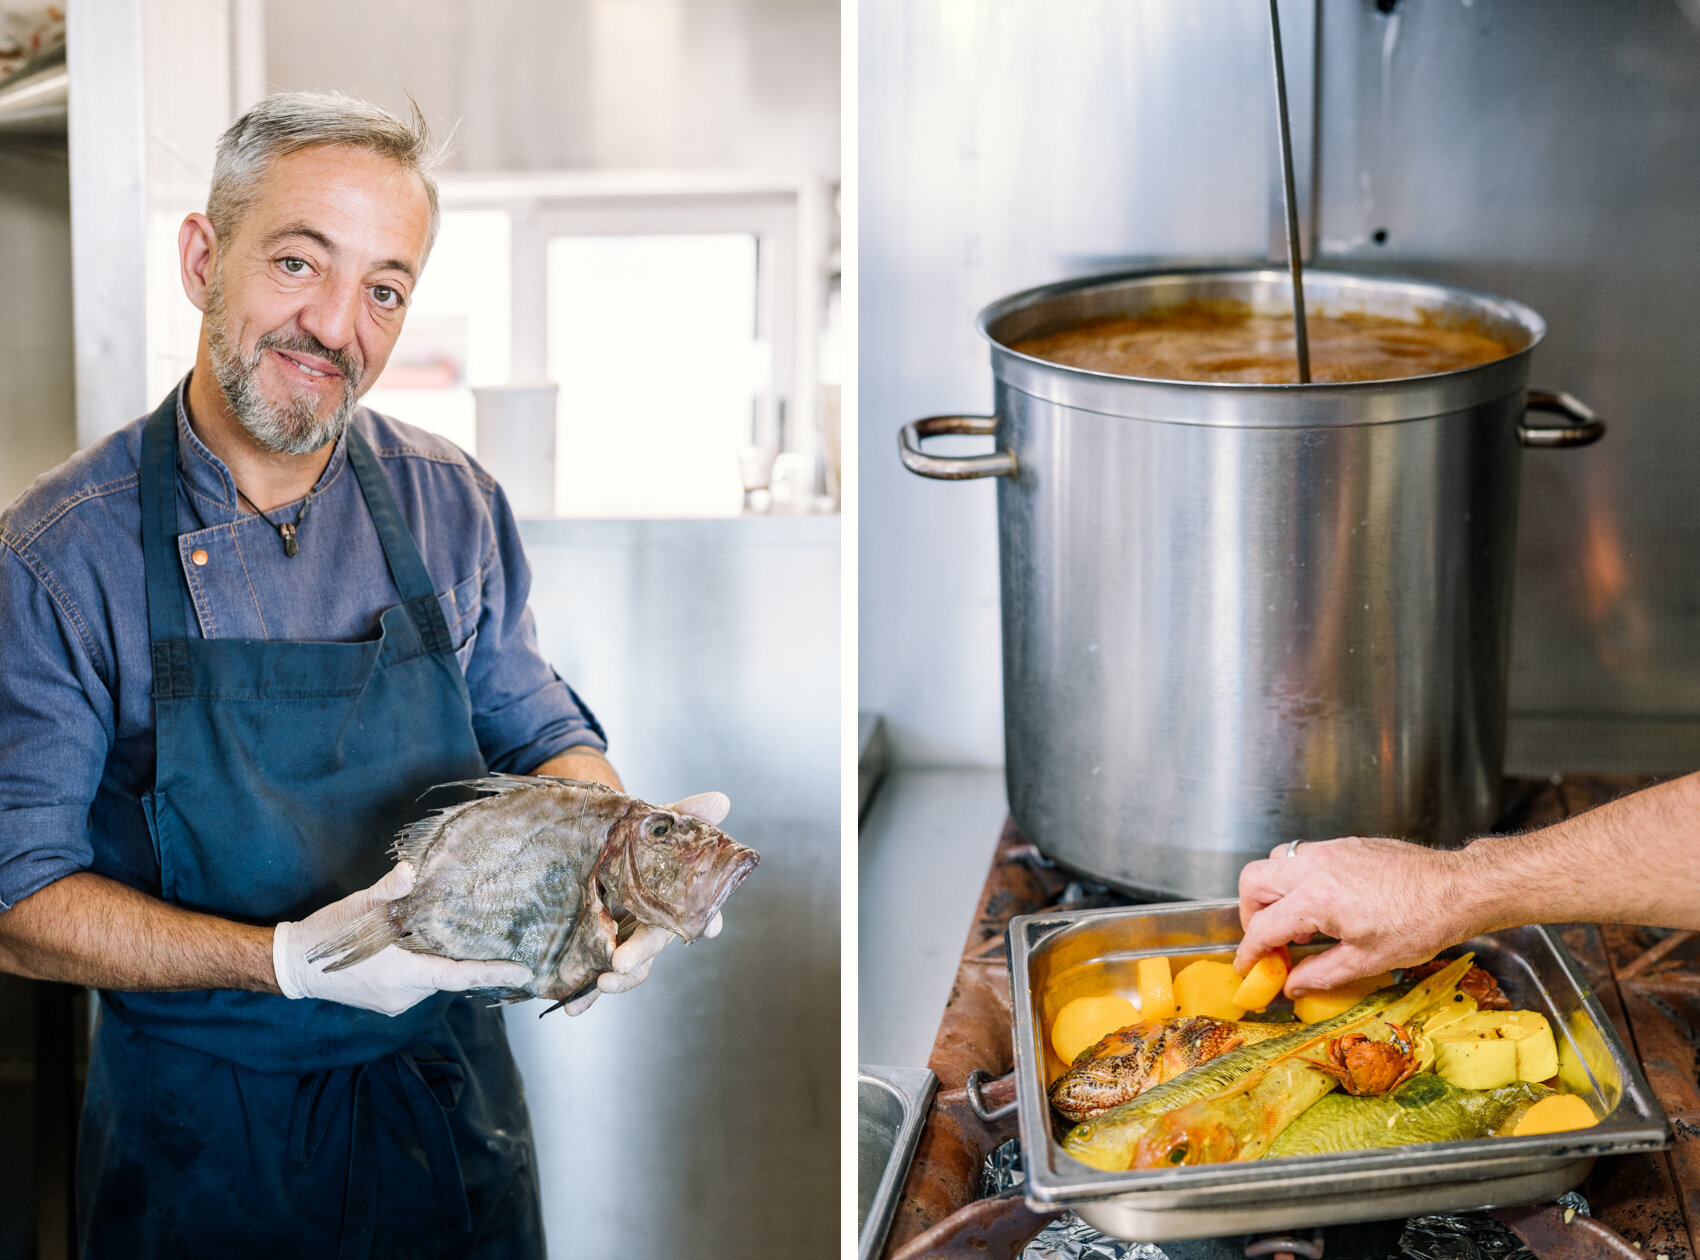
{"x":652,"y":340}
{"x":679,"y":315}
{"x":458,"y":330}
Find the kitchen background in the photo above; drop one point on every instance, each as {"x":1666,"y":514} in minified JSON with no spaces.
{"x":642,"y":210}
{"x":1547,"y":152}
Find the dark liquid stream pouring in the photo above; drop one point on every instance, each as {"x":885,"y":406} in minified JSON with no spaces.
{"x":1295,"y":262}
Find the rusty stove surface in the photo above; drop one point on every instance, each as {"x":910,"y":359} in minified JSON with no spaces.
{"x":1648,"y":983}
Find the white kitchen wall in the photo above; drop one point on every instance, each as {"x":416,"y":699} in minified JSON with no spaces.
{"x":575,"y":84}
{"x":151,"y":89}
{"x":1004,"y":146}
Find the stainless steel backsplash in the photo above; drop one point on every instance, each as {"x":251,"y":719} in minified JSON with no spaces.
{"x":1549,"y":152}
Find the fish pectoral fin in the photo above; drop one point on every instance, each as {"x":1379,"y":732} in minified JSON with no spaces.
{"x":588,"y":953}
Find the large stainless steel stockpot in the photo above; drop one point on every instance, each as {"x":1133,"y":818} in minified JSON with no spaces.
{"x":1237,"y":615}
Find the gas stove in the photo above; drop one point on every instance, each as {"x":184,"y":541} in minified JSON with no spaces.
{"x":1647,"y":980}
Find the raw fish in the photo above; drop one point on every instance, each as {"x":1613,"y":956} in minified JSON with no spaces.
{"x":551,"y":873}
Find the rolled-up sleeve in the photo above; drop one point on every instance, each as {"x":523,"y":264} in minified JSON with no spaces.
{"x":55,"y":731}
{"x":522,"y":712}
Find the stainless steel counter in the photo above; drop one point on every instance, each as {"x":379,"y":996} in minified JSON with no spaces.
{"x":921,"y":861}
{"x":699,"y":1114}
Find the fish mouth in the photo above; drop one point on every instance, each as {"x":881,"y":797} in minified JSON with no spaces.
{"x":713,"y":875}
{"x":723,"y":875}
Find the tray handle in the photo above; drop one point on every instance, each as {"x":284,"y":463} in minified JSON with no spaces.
{"x":980,"y":1084}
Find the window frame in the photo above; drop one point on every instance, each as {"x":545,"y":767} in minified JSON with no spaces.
{"x":787,"y":213}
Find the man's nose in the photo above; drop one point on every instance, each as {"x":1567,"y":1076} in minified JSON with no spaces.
{"x":332,"y":313}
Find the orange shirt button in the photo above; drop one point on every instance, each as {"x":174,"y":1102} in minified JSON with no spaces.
{"x":198,"y":556}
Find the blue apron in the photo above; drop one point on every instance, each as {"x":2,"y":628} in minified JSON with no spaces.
{"x":230,"y":1123}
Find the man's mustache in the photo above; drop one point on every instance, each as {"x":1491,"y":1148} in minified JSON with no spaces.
{"x":307,"y":344}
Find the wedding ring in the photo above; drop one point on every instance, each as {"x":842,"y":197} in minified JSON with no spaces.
{"x":1292,"y":848}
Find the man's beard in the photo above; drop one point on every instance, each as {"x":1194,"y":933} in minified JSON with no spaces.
{"x":295,"y":427}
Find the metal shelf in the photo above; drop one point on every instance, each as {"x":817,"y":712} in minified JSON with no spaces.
{"x":32,"y":101}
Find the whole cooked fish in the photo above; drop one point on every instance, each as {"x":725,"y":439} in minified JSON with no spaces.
{"x":551,"y":873}
{"x":1134,"y":1059}
{"x":1240,"y":1121}
{"x":1426,"y":1108}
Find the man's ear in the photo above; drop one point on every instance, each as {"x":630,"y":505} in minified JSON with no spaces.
{"x":197,"y":255}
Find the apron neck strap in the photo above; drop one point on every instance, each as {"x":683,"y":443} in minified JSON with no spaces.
{"x":168,"y":590}
{"x":407,"y":567}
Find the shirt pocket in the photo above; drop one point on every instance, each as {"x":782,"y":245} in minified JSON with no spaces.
{"x":462,"y":604}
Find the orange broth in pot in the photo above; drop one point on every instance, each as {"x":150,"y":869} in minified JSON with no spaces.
{"x":1226,"y":342}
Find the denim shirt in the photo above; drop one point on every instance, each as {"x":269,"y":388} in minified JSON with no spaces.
{"x":76,"y":707}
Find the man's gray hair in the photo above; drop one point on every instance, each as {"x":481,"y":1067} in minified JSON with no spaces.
{"x":291,"y":121}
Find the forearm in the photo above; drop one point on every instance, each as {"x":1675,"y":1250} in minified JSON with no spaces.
{"x":1632,"y":860}
{"x":581,"y":762}
{"x":87,"y":929}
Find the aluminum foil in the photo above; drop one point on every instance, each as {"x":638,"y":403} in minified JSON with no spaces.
{"x":1443,"y":1236}
{"x":1469,"y":1235}
{"x":1068,"y":1237}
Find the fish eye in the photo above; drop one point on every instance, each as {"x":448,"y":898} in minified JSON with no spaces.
{"x":660,"y":827}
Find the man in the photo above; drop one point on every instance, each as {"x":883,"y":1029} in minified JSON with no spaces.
{"x":1393,"y":904}
{"x":242,"y":636}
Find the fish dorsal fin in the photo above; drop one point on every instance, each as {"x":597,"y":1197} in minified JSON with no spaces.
{"x":414,"y":841}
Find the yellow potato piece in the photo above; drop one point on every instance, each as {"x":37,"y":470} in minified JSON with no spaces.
{"x":1207,"y":988}
{"x":1555,"y":1115}
{"x":1477,"y":1064}
{"x":1087,"y":1020}
{"x":1526,"y":1019}
{"x":1327,"y":1003}
{"x":1262,"y":984}
{"x":1537,"y":1054}
{"x":1156,"y":989}
{"x":1481,"y":1024}
{"x":1462,"y":1004}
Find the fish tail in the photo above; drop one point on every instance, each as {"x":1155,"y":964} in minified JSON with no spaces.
{"x":357,"y":942}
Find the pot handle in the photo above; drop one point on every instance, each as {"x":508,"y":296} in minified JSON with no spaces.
{"x":981,"y":1083}
{"x":1587,"y":429}
{"x":953,"y":467}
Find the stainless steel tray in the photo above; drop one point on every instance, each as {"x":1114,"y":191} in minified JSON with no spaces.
{"x":891,"y":1107}
{"x":1057,"y":956}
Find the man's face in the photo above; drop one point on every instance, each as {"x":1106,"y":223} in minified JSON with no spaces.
{"x":307,"y":297}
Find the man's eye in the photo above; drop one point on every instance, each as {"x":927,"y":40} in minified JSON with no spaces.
{"x":385,"y":295}
{"x":294,"y":266}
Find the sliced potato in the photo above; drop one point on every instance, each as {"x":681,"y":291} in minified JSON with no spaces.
{"x":1327,"y":1003}
{"x":1262,"y":984}
{"x":1156,"y":989}
{"x":1537,"y":1054}
{"x":1462,"y":1004}
{"x":1207,"y":988}
{"x":1556,"y":1115}
{"x":1479,"y":1024}
{"x":1485,"y":1063}
{"x":1088,"y":1020}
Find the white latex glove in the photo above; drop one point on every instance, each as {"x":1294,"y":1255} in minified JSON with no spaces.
{"x":388,"y":982}
{"x":632,"y":959}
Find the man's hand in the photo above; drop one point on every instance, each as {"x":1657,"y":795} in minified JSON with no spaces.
{"x":632,"y":959}
{"x":389,"y":982}
{"x":1389,"y":904}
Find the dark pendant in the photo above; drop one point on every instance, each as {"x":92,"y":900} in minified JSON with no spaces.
{"x":289,"y":544}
